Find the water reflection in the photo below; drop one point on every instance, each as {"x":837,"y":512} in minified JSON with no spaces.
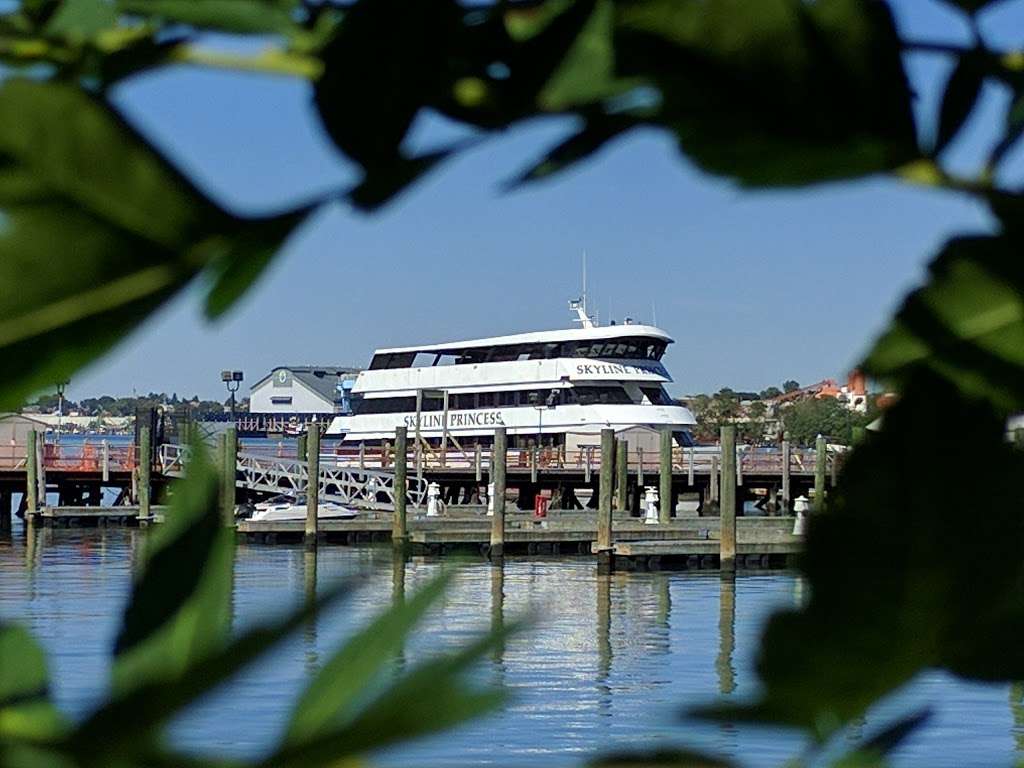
{"x":609,"y":661}
{"x":309,"y":631}
{"x":726,"y":634}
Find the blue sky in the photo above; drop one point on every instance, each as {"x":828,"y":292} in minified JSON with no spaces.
{"x":756,"y":287}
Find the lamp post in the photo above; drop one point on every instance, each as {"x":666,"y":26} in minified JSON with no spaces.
{"x":548,"y":403}
{"x":60,"y":405}
{"x":232,"y":380}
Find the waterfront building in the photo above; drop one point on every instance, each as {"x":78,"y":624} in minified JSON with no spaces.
{"x":303,"y":390}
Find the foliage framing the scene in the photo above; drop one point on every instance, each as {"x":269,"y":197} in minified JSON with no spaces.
{"x":765,"y":94}
{"x":174,"y":646}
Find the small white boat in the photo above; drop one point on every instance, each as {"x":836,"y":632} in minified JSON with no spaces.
{"x":286,"y":507}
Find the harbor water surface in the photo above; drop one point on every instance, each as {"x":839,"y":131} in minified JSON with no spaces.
{"x":610,"y":664}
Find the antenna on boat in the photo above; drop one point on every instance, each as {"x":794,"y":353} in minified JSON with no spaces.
{"x":579,"y":306}
{"x":654,"y":314}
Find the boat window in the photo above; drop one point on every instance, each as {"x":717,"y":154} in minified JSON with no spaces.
{"x":424,"y":359}
{"x":486,"y":399}
{"x":400,"y":360}
{"x":657,"y":395}
{"x":385,"y":405}
{"x":446,"y":358}
{"x":507,"y":398}
{"x":601,"y":396}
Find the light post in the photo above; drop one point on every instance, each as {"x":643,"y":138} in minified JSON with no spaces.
{"x":232,"y":380}
{"x":60,"y":405}
{"x":548,"y":403}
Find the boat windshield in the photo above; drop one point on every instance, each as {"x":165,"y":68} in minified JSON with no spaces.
{"x":622,"y":348}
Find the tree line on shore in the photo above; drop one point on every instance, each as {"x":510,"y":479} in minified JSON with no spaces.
{"x":107,"y":405}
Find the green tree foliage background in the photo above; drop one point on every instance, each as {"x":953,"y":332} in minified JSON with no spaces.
{"x":763,"y":93}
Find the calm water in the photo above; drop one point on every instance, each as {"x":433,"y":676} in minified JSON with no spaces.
{"x":611,"y":663}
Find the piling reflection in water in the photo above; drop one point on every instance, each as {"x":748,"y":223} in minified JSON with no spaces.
{"x":398,"y":566}
{"x":1017,"y":711}
{"x":498,"y":611}
{"x":309,"y":631}
{"x":726,"y":634}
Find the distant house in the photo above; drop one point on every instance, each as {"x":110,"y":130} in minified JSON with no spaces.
{"x":14,"y":429}
{"x":305,"y":389}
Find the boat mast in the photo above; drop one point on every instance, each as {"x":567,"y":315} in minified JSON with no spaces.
{"x":579,"y":306}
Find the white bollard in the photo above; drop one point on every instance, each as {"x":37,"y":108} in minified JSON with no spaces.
{"x":801,"y":504}
{"x":490,"y":499}
{"x":651,"y":500}
{"x":799,"y":524}
{"x":433,"y":500}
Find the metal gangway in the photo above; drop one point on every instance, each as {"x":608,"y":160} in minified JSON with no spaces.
{"x":351,"y":486}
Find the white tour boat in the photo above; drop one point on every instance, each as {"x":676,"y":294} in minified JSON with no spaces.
{"x":561,"y":387}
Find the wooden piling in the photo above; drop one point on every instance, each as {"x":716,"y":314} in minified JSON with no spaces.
{"x":399,"y":523}
{"x":362,"y":454}
{"x":145,"y":468}
{"x":787,"y":497}
{"x":621,"y":474}
{"x":714,"y":479}
{"x":640,"y":469}
{"x":590,"y":460}
{"x":229,"y":475}
{"x":31,"y":474}
{"x":499,"y":457}
{"x":820,"y":458}
{"x":727,"y":541}
{"x":106,"y":461}
{"x":534,"y":455}
{"x":478,"y":473}
{"x":6,"y":497}
{"x":665,"y":476}
{"x":604,"y":501}
{"x":312,"y":484}
{"x":690,"y":470}
{"x":300,"y":447}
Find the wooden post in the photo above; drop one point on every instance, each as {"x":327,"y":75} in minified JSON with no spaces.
{"x":6,"y":497}
{"x":820,"y":455}
{"x":727,"y":541}
{"x":145,"y":467}
{"x":399,"y":524}
{"x":362,"y":454}
{"x":534,"y":456}
{"x":478,"y":464}
{"x":444,"y":431}
{"x":690,"y":470}
{"x":604,"y":499}
{"x":739,"y":467}
{"x":833,"y":469}
{"x":786,"y":492}
{"x":640,"y":468}
{"x":665,"y":506}
{"x":586,"y":469}
{"x":106,"y":461}
{"x":621,"y":473}
{"x":300,"y":447}
{"x":41,"y":471}
{"x":312,"y":483}
{"x":31,"y":474}
{"x":229,"y":476}
{"x":499,"y":456}
{"x":714,"y":478}
{"x":419,"y":444}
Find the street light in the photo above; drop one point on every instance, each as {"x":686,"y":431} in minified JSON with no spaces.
{"x":548,"y":403}
{"x":232,"y":380}
{"x":60,"y":405}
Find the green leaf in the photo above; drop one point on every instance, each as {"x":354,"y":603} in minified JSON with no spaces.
{"x":966,"y":324}
{"x":331,"y":696}
{"x":873,"y":752}
{"x":778,"y":92}
{"x":389,"y":179}
{"x":151,"y":705}
{"x":430,"y":698}
{"x":107,"y":230}
{"x":81,"y":19}
{"x":177,"y":615}
{"x":237,"y":262}
{"x":26,"y":711}
{"x":241,"y":16}
{"x":380,"y":68}
{"x":597,"y":132}
{"x":896,"y":586}
{"x":668,"y":758}
{"x":963,"y":89}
